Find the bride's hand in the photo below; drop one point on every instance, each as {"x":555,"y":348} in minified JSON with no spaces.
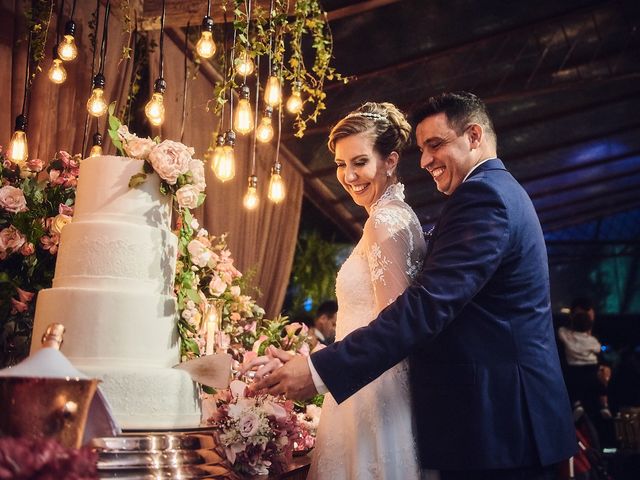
{"x":273,"y":359}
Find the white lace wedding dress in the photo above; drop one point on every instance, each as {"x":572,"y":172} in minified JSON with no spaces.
{"x":370,"y":435}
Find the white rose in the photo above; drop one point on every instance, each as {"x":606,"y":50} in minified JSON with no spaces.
{"x":187,"y":196}
{"x":124,"y":134}
{"x":170,"y":160}
{"x":217,"y":286}
{"x":200,"y":254}
{"x":197,"y":174}
{"x":235,"y":290}
{"x":139,"y":147}
{"x":12,"y":199}
{"x":59,"y":222}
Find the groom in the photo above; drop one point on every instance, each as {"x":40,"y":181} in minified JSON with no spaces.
{"x":489,"y":398}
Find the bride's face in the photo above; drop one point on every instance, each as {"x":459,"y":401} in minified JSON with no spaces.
{"x":361,"y":170}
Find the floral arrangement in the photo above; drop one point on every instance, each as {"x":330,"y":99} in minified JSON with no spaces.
{"x":181,"y":175}
{"x":35,"y":204}
{"x":309,"y":419}
{"x":44,"y":458}
{"x":255,"y":432}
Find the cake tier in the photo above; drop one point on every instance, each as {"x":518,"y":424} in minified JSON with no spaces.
{"x":114,"y":255}
{"x":103,"y":192}
{"x":110,"y":328}
{"x":148,"y":398}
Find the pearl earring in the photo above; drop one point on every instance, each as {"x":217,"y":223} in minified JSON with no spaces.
{"x":388,"y":173}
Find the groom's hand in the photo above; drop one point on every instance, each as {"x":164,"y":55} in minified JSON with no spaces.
{"x":293,"y":379}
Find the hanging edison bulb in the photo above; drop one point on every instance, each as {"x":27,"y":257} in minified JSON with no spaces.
{"x":18,"y":150}
{"x":243,"y":63}
{"x":294,"y":104}
{"x":97,"y":105}
{"x":243,"y":120}
{"x":264,"y":133}
{"x":57,"y":72}
{"x":154,"y":109}
{"x":67,"y":50}
{"x":96,"y":149}
{"x":251,"y":199}
{"x":272,"y":91}
{"x":276,"y":184}
{"x":225,"y":168}
{"x":218,"y":153}
{"x":206,"y":47}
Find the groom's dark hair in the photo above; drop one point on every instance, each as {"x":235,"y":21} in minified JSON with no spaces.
{"x":461,"y":109}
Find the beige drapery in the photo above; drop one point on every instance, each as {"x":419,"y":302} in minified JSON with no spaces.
{"x":261,"y":241}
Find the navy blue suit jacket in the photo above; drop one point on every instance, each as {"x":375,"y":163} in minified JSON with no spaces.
{"x":476,"y":324}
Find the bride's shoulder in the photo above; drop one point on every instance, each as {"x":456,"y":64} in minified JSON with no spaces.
{"x":393,"y":215}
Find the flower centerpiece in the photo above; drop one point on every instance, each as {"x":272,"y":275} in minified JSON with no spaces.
{"x":36,"y":202}
{"x":256,"y":432}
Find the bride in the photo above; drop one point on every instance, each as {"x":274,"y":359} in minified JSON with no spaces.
{"x":370,"y":435}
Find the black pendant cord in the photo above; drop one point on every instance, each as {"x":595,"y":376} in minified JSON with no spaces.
{"x":59,"y":21}
{"x":208,"y":8}
{"x":255,"y":119}
{"x":184,"y":88}
{"x":73,"y":9}
{"x":94,"y":45}
{"x":231,"y":60}
{"x":272,"y":35}
{"x":105,"y":34}
{"x":279,"y":133}
{"x":27,"y":72}
{"x":225,"y":33}
{"x":162,"y":17}
{"x":247,"y":6}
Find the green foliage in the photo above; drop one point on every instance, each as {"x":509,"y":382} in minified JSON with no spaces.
{"x":314,"y":270}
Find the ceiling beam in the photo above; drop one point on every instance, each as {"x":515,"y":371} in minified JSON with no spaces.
{"x":357,"y":9}
{"x":589,"y":216}
{"x":436,"y":53}
{"x":609,"y":196}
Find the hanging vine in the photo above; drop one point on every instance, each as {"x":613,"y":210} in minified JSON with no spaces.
{"x":38,"y":16}
{"x":286,"y":34}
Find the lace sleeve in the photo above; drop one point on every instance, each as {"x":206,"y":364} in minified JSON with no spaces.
{"x":394,"y":250}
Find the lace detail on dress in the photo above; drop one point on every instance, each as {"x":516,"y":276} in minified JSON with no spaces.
{"x":370,"y":435}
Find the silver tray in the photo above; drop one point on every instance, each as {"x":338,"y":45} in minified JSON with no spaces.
{"x":154,"y":442}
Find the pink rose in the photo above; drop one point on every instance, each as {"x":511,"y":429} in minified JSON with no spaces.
{"x":35,"y":165}
{"x":170,"y":160}
{"x":200,"y":254}
{"x":54,"y":177}
{"x":248,"y":424}
{"x":11,"y":239}
{"x":65,"y":209}
{"x":64,"y":157}
{"x":28,"y":249}
{"x":217,"y":286}
{"x":138,"y":147}
{"x":12,"y":199}
{"x":235,"y":290}
{"x":50,"y":243}
{"x":196,"y":167}
{"x":187,"y":196}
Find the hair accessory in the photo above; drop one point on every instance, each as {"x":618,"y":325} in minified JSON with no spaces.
{"x":373,"y":116}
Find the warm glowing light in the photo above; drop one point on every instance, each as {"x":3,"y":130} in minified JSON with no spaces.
{"x":264,"y":133}
{"x":276,"y":186}
{"x":244,"y":64}
{"x":294,"y":104}
{"x":18,"y":150}
{"x":225,"y":168}
{"x":67,"y":50}
{"x":243,"y":121}
{"x":154,"y":109}
{"x":96,"y":151}
{"x":251,"y":199}
{"x":273,"y":92}
{"x":206,"y":47}
{"x":216,"y":157}
{"x":97,"y":105}
{"x":57,"y":73}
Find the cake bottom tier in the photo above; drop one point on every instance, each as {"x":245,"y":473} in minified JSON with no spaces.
{"x":107,"y":327}
{"x":149,"y":398}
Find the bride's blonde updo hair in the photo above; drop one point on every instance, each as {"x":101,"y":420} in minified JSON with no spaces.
{"x":387,"y":125}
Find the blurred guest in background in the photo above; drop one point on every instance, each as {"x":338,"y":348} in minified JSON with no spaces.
{"x":325,"y":322}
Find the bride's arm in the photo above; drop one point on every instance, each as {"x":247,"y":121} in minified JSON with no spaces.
{"x":390,"y":237}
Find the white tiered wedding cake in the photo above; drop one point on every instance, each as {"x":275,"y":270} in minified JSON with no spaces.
{"x":112,"y":291}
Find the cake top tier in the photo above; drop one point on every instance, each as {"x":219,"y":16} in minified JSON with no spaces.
{"x":103,"y":192}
